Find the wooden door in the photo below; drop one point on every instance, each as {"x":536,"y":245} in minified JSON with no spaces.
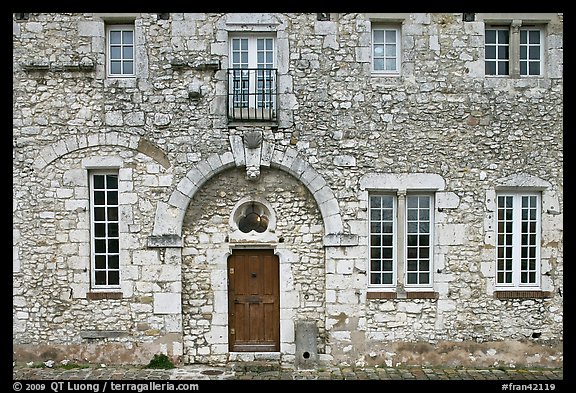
{"x":253,"y":301}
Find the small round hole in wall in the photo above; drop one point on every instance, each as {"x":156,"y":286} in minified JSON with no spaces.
{"x":306,"y":355}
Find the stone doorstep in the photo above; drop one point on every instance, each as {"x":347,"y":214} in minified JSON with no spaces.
{"x":256,"y":366}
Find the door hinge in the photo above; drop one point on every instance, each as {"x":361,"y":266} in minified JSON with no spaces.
{"x":231,"y":271}
{"x":232,"y":331}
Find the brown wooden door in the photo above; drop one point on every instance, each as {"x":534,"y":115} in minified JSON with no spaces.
{"x":253,"y":301}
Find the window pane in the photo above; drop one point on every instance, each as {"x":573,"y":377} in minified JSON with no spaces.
{"x":115,"y":67}
{"x":378,"y":64}
{"x":412,"y":278}
{"x":100,"y":246}
{"x":503,"y":36}
{"x":375,"y":278}
{"x":412,"y":202}
{"x":424,"y":227}
{"x":523,"y":52}
{"x":375,"y":265}
{"x":99,"y":198}
{"x":112,"y":197}
{"x":387,"y":278}
{"x":387,"y":215}
{"x":424,"y":278}
{"x":127,"y":37}
{"x":112,"y":181}
{"x":127,"y":53}
{"x":375,"y":214}
{"x":128,"y":67}
{"x":390,"y":36}
{"x":113,"y":277}
{"x":490,"y":68}
{"x":375,"y":227}
{"x":534,"y":37}
{"x":424,"y":252}
{"x":387,"y":227}
{"x":424,"y":265}
{"x":375,"y":253}
{"x":490,"y":36}
{"x":244,"y":57}
{"x":388,"y":203}
{"x":113,"y":245}
{"x":113,"y":230}
{"x":113,"y":262}
{"x":115,"y":52}
{"x":391,"y":64}
{"x":387,"y":253}
{"x":412,"y":227}
{"x":387,"y":240}
{"x":424,"y":240}
{"x":260,"y":57}
{"x":523,"y":37}
{"x":412,"y":240}
{"x":98,"y":182}
{"x":375,"y":202}
{"x":491,"y":52}
{"x":99,"y":214}
{"x":378,"y":50}
{"x":503,"y":52}
{"x":113,"y":214}
{"x":412,"y":214}
{"x":99,"y":230}
{"x":260,"y":44}
{"x":412,"y":265}
{"x":115,"y":37}
{"x":387,"y":266}
{"x":100,"y":261}
{"x":424,"y":214}
{"x":375,"y":240}
{"x":391,"y":50}
{"x":100,"y":277}
{"x":412,"y":252}
{"x":378,"y":36}
{"x":534,"y":53}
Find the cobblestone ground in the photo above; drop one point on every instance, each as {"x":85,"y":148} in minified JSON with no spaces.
{"x":229,"y":372}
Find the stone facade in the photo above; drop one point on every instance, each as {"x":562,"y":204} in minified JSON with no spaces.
{"x":441,"y":126}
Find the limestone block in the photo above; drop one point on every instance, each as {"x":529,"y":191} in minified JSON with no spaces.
{"x":167,"y":303}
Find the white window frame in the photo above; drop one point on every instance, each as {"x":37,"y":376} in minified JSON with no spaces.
{"x":93,"y":232}
{"x":528,"y":45}
{"x":395,"y":244}
{"x":514,"y":50}
{"x":392,"y":285}
{"x":429,"y":285}
{"x":498,"y":45}
{"x":516,"y":246}
{"x":123,"y":27}
{"x":398,"y":53}
{"x":253,"y":63}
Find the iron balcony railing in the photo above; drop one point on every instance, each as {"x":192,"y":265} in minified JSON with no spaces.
{"x":252,"y":94}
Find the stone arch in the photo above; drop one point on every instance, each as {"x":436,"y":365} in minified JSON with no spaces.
{"x":76,"y":142}
{"x":170,"y":216}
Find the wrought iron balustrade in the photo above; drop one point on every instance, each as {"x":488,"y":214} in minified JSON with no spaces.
{"x":252,"y":94}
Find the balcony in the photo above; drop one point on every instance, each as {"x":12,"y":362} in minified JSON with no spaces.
{"x":252,"y":95}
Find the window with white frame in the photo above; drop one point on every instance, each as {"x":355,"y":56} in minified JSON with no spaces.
{"x":518,"y":240}
{"x":514,"y":51}
{"x":104,"y":229}
{"x":120,"y":51}
{"x":385,"y":49}
{"x":400,"y":234}
{"x":252,"y":77}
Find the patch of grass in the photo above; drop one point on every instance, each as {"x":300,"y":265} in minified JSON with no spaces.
{"x":160,"y":361}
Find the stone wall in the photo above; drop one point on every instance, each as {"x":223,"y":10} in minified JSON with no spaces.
{"x":342,"y":132}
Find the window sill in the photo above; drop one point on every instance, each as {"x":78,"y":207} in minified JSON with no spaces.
{"x":103,"y":295}
{"x":394,"y":295}
{"x":534,"y":294}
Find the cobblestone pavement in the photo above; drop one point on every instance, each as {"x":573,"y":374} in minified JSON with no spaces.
{"x":234,"y":372}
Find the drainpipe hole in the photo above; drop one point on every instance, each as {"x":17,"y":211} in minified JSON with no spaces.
{"x":306,"y":355}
